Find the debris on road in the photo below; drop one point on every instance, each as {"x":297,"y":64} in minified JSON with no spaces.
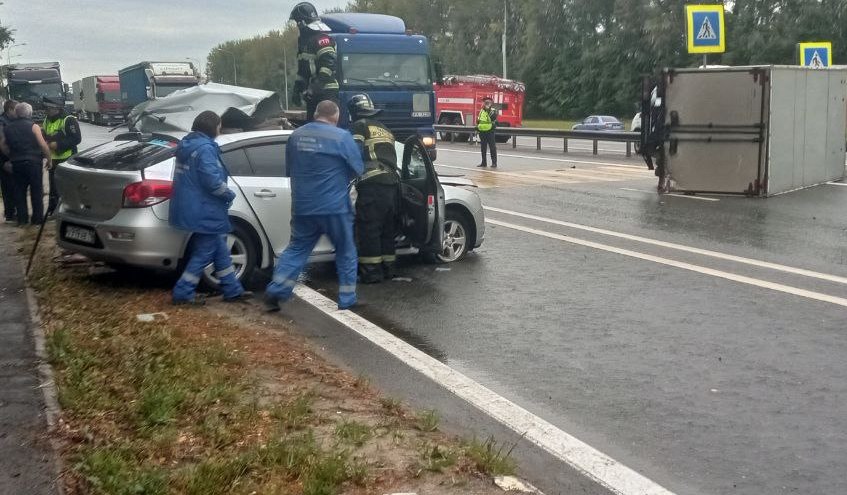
{"x":512,"y":484}
{"x":401,"y":279}
{"x":442,"y":269}
{"x":151,"y":317}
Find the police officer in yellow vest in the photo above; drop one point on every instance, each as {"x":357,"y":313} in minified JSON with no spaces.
{"x":377,"y":192}
{"x":486,"y":122}
{"x":61,"y":131}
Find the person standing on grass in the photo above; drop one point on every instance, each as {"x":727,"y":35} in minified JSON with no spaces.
{"x":200,"y":204}
{"x":322,"y":160}
{"x":29,"y":156}
{"x":486,"y":122}
{"x":7,"y":180}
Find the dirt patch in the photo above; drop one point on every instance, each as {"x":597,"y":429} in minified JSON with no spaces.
{"x":224,"y":399}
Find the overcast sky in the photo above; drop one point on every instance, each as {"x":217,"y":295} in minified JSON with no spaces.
{"x":91,"y":37}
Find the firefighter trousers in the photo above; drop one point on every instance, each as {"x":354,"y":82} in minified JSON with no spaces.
{"x":376,"y":229}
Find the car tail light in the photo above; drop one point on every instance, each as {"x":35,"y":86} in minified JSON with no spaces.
{"x":147,"y":193}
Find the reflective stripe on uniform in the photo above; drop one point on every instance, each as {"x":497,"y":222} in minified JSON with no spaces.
{"x":284,"y":281}
{"x":324,"y":50}
{"x":226,"y":271}
{"x":358,"y":137}
{"x":190,"y":278}
{"x":325,"y":71}
{"x":372,"y":173}
{"x":346,"y":289}
{"x":332,"y":85}
{"x":220,"y":191}
{"x":389,"y":258}
{"x":370,"y":260}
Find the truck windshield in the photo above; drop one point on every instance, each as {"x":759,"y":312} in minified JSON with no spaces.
{"x":166,"y":89}
{"x":30,"y":92}
{"x":391,"y":70}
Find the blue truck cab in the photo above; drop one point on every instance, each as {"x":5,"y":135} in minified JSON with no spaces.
{"x":378,"y":56}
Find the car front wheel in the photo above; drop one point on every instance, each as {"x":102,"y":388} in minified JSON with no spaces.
{"x":243,"y":251}
{"x":456,"y":237}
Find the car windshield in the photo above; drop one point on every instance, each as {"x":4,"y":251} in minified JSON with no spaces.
{"x":127,"y":155}
{"x":381,"y":69}
{"x":28,"y":92}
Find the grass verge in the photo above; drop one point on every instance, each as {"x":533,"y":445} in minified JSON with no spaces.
{"x":222,"y":401}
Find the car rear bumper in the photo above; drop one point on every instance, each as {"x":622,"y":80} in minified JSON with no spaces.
{"x":132,"y":237}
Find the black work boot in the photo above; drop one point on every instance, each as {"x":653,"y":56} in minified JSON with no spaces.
{"x":370,"y":273}
{"x":388,"y":270}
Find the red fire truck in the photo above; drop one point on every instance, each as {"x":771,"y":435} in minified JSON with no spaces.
{"x":458,"y":100}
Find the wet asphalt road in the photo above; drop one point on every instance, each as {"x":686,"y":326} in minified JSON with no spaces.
{"x":703,"y":384}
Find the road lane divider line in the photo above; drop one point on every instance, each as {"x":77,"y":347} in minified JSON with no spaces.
{"x":676,"y":195}
{"x":787,"y":289}
{"x":546,"y":159}
{"x":837,"y":183}
{"x":530,"y":179}
{"x":569,"y":176}
{"x":678,"y":247}
{"x":586,"y":460}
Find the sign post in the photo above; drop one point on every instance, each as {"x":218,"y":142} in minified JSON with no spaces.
{"x":816,"y":54}
{"x":705,"y":29}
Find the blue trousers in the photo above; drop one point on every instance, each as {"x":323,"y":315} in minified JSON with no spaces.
{"x":306,"y":230}
{"x":205,"y":249}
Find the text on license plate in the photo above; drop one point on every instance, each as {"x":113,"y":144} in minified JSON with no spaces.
{"x":79,"y":234}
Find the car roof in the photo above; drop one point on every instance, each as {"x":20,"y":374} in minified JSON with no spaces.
{"x":609,"y":117}
{"x":243,"y":136}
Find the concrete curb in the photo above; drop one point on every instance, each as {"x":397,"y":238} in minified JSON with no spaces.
{"x":52,"y":411}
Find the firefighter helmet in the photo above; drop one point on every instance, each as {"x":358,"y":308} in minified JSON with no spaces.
{"x":304,"y":13}
{"x":361,"y":106}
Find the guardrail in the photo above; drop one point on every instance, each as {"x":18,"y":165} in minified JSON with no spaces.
{"x":459,"y":131}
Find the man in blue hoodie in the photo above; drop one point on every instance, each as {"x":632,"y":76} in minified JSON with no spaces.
{"x":199,"y":204}
{"x":322,"y":160}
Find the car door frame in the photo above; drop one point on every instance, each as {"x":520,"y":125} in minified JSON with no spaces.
{"x":427,"y":238}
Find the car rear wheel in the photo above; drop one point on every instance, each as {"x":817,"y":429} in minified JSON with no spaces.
{"x":456,"y":237}
{"x":244,"y":254}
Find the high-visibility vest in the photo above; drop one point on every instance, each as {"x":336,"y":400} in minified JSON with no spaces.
{"x":53,"y":127}
{"x":483,"y":122}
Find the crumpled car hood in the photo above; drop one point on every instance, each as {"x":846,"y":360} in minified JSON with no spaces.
{"x":238,"y":107}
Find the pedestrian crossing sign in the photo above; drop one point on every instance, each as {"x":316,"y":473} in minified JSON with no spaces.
{"x":817,"y":55}
{"x":705,"y":31}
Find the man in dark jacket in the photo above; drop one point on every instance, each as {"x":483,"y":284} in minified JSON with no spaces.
{"x":7,"y":180}
{"x":200,"y":204}
{"x":316,"y":60}
{"x":378,"y":189}
{"x":29,"y":155}
{"x":322,"y":160}
{"x":63,"y":135}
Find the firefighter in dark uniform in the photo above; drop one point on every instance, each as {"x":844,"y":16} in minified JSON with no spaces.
{"x":316,"y":60}
{"x":377,"y":192}
{"x":61,"y":131}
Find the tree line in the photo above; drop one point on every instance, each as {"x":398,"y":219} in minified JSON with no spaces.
{"x":577,"y":57}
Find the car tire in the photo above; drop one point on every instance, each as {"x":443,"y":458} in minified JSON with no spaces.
{"x":457,"y":224}
{"x":244,"y":251}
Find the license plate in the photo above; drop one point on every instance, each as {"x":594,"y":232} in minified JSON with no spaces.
{"x":79,"y":234}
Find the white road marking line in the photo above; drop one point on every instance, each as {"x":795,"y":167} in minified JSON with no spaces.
{"x":679,"y":247}
{"x":590,"y":462}
{"x":837,"y":183}
{"x":530,"y":179}
{"x":686,"y":196}
{"x":570,"y":176}
{"x":542,"y":158}
{"x":818,"y":296}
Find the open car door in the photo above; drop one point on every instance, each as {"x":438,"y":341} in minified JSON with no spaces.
{"x":421,"y":198}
